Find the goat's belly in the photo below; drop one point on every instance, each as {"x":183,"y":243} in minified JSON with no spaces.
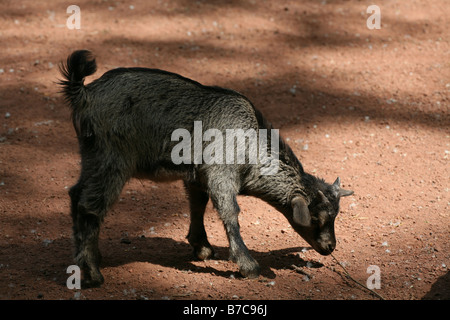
{"x":161,"y":175}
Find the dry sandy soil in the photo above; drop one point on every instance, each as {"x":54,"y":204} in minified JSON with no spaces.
{"x":369,"y":106}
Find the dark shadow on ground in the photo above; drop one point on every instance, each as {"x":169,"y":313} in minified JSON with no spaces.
{"x":168,"y":252}
{"x":440,"y":290}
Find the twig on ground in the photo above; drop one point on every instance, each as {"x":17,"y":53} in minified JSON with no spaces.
{"x":300,"y":270}
{"x":357,"y":282}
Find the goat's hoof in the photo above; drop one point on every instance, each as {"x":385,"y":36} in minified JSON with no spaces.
{"x":251,"y":271}
{"x":204,"y":253}
{"x":94,"y":280}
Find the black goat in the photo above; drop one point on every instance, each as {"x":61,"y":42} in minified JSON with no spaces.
{"x":125,"y":123}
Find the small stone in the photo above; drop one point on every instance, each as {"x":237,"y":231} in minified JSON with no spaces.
{"x":125,"y":240}
{"x":293,"y":89}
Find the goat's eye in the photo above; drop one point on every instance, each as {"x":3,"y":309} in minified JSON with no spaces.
{"x":322,"y":217}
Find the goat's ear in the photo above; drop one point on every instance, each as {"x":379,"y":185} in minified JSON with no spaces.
{"x":341,"y":192}
{"x":301,"y":215}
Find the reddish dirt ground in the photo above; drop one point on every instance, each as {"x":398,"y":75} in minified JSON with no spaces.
{"x":369,"y":106}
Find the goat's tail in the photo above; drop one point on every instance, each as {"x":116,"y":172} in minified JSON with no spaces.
{"x":79,"y":65}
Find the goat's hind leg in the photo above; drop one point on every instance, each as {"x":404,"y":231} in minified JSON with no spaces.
{"x":91,"y":198}
{"x":197,"y":234}
{"x":75,"y":193}
{"x":87,"y":254}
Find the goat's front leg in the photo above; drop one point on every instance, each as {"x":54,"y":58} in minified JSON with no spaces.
{"x":226,"y":204}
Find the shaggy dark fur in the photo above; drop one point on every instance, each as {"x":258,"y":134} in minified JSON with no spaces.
{"x":124,"y":121}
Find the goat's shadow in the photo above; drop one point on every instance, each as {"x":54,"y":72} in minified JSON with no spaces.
{"x":170,"y":253}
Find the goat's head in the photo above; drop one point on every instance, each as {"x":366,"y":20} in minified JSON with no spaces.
{"x":314,"y":221}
